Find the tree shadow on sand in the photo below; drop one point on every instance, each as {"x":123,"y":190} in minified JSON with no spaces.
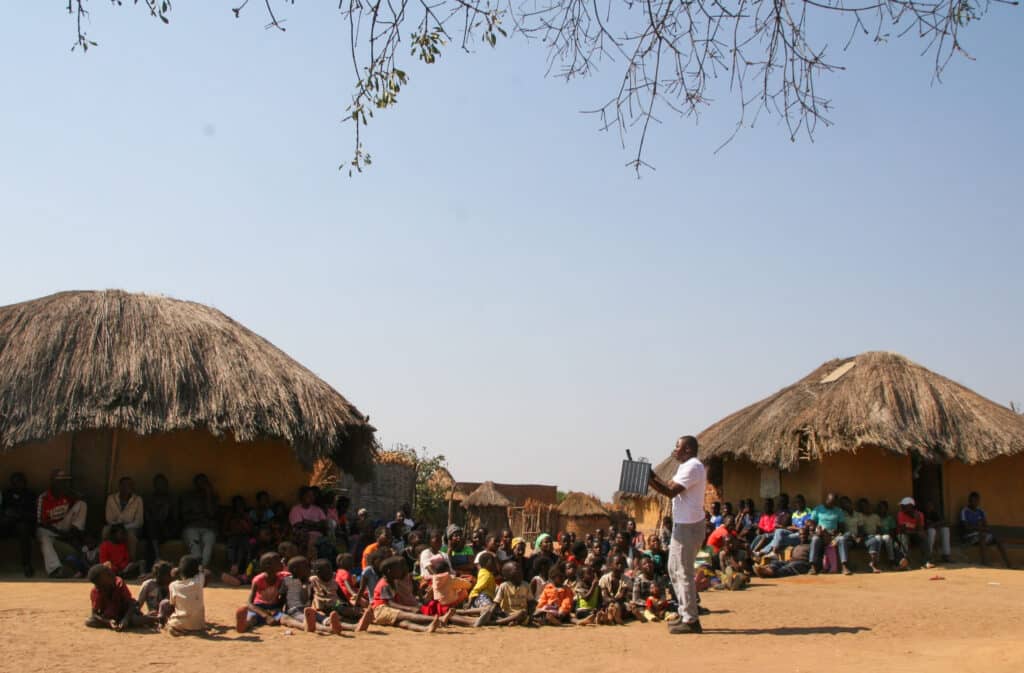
{"x":792,"y":631}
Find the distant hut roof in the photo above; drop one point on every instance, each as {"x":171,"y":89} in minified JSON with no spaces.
{"x":486,"y":495}
{"x":115,"y":360}
{"x":519,"y":494}
{"x":581,"y":504}
{"x":873,"y":399}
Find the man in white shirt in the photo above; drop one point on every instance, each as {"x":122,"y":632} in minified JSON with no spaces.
{"x":687,"y":492}
{"x":125,"y":508}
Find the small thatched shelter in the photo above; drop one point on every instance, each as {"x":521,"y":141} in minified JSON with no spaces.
{"x":486,"y":507}
{"x":876,"y":425}
{"x":393,"y":484}
{"x":581,"y":513}
{"x":109,"y":383}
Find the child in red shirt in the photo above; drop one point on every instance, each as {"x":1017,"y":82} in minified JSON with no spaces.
{"x":112,"y":604}
{"x":265,"y":598}
{"x":114,"y":553}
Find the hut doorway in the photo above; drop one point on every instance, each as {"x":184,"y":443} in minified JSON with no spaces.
{"x":90,"y":470}
{"x":927,"y":479}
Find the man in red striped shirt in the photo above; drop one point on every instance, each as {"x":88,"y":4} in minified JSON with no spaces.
{"x":61,"y":517}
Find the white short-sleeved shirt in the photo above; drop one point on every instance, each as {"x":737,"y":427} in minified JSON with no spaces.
{"x":189,"y":609}
{"x":688,"y":506}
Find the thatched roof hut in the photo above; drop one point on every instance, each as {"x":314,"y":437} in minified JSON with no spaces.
{"x":487,"y":507}
{"x":581,"y":513}
{"x":119,"y":383}
{"x":868,"y":425}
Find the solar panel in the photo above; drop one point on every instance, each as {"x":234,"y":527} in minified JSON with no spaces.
{"x":635,"y":477}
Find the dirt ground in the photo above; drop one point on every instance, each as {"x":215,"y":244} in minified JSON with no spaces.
{"x":970,"y":621}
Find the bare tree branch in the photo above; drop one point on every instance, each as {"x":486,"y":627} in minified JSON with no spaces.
{"x":670,"y":52}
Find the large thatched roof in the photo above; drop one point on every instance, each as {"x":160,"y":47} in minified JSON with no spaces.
{"x":873,"y":399}
{"x":580,"y":504}
{"x":91,"y":360}
{"x":486,"y":495}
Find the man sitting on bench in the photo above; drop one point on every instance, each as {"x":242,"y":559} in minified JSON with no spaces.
{"x":974,"y":529}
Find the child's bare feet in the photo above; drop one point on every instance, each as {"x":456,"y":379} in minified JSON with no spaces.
{"x":365,"y":621}
{"x":447,"y":619}
{"x":484,"y":617}
{"x":310,"y":615}
{"x":242,"y":620}
{"x":433,"y":624}
{"x":588,"y":620}
{"x":335,"y":623}
{"x":551,"y":619}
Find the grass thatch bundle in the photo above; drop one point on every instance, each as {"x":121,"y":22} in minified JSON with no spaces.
{"x":395,"y":458}
{"x":873,"y":399}
{"x":486,"y":495}
{"x":581,"y":504}
{"x":95,"y":360}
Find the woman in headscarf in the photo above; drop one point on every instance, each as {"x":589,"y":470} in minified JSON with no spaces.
{"x":544,"y":547}
{"x":460,"y":555}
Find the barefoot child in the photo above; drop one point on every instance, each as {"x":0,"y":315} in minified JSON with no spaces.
{"x":154,"y":591}
{"x":513,"y":596}
{"x":186,"y":599}
{"x":297,"y":612}
{"x":656,"y":604}
{"x":387,"y":611}
{"x":112,"y":604}
{"x":588,"y":595}
{"x":616,"y":590}
{"x":557,"y":602}
{"x":326,"y":599}
{"x":265,"y":598}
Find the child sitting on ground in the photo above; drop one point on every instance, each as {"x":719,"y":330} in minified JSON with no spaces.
{"x":616,"y":590}
{"x":513,"y":595}
{"x":656,"y":604}
{"x":185,"y":609}
{"x":588,"y":595}
{"x":325,"y":599}
{"x":446,"y":590}
{"x":297,"y":612}
{"x":112,"y":604}
{"x":348,"y":585}
{"x":264,"y":605}
{"x":482,"y":597}
{"x":387,"y":611}
{"x":643,"y":579}
{"x":154,"y":591}
{"x":540,"y":568}
{"x":557,"y":602}
{"x":370,"y":578}
{"x":114,"y":553}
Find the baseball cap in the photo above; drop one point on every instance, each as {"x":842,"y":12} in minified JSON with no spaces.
{"x":907,"y":501}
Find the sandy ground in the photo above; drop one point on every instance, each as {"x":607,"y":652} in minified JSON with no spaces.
{"x":970,"y":621}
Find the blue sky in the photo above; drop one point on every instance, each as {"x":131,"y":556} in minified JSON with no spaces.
{"x":499,"y":287}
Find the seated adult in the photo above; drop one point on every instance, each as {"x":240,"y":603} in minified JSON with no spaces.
{"x":789,"y":534}
{"x":799,"y":560}
{"x":160,"y":515}
{"x":460,"y":555}
{"x":18,"y":518}
{"x":125,"y":508}
{"x":974,"y":529}
{"x":61,"y":518}
{"x":830,"y":520}
{"x":938,"y":530}
{"x":544,"y":548}
{"x":866,"y":530}
{"x":911,"y":528}
{"x":382,"y":541}
{"x":308,"y":521}
{"x":766,"y":524}
{"x":198,"y":511}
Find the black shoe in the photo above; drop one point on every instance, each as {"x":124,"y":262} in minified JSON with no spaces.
{"x":679,"y":627}
{"x":29,"y":571}
{"x":701,"y":610}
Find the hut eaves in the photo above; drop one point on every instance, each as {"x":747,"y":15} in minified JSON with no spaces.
{"x":149,"y":364}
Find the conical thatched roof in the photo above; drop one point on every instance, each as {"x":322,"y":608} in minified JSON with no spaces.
{"x":94,"y":360}
{"x":581,"y":504}
{"x":486,"y":495}
{"x":873,"y":399}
